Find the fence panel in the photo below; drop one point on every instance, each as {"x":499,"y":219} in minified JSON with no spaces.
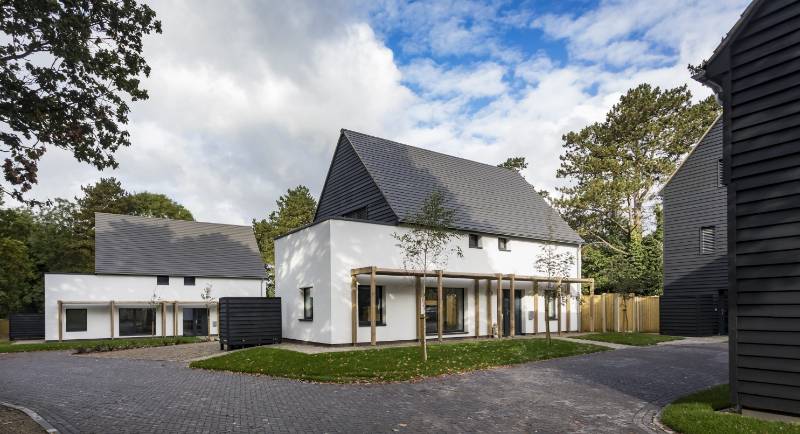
{"x":3,"y":329}
{"x":615,"y":313}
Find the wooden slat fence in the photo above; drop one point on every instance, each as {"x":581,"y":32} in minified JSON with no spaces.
{"x":613,"y":312}
{"x":3,"y":329}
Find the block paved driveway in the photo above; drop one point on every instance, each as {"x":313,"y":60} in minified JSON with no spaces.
{"x":615,"y":391}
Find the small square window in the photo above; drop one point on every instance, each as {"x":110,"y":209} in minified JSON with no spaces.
{"x":76,"y":320}
{"x":308,"y":304}
{"x":502,"y":243}
{"x":162,"y":280}
{"x":474,"y":241}
{"x":188,"y":280}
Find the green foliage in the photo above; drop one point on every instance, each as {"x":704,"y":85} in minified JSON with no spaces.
{"x":59,"y":237}
{"x":67,"y":72}
{"x":514,"y":163}
{"x":103,"y":345}
{"x":698,"y":414}
{"x":615,"y":168}
{"x":295,"y":209}
{"x":635,"y":339}
{"x":391,"y":364}
{"x":426,"y":245}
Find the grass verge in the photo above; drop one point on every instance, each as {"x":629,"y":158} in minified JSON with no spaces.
{"x":635,"y":339}
{"x":392,"y":364}
{"x":99,"y":345}
{"x":697,"y":413}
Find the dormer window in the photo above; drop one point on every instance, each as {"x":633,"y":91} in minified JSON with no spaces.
{"x":475,"y":241}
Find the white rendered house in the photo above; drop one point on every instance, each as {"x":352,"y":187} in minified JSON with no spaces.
{"x":149,"y":278}
{"x":328,"y":273}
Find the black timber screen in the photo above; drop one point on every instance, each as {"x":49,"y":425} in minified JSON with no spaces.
{"x":23,"y":326}
{"x":247,"y":321}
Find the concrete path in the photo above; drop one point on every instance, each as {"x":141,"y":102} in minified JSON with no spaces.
{"x":611,"y":392}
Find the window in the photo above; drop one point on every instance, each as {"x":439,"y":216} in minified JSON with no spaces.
{"x":720,"y":173}
{"x":188,"y":281}
{"x":308,"y":304}
{"x":474,"y":241}
{"x":452,"y":310}
{"x":552,"y":304}
{"x":502,"y":243}
{"x":136,"y":321}
{"x":359,"y":214}
{"x":76,"y":320}
{"x":707,"y":239}
{"x":162,"y":280}
{"x":363,"y":306}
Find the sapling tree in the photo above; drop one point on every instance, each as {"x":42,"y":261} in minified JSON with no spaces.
{"x":428,"y":244}
{"x":153,"y":303}
{"x":556,"y":266}
{"x":208,"y":299}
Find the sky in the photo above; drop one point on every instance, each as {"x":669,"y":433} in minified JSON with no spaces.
{"x":247,"y":98}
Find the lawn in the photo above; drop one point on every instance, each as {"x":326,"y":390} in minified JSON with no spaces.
{"x":635,"y":339}
{"x":392,"y":364}
{"x":96,"y":345}
{"x":697,"y":413}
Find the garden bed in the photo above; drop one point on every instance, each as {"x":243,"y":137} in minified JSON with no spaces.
{"x":99,"y":345}
{"x":392,"y":364}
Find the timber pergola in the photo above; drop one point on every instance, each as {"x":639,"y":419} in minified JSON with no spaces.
{"x":160,"y":304}
{"x":373,"y":272}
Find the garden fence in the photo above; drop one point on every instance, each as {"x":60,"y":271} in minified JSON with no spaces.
{"x":618,"y":313}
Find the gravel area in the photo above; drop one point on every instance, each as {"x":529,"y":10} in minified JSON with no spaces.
{"x":170,"y":353}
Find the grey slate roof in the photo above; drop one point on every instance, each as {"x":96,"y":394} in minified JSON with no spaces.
{"x":152,"y":246}
{"x":484,"y":198}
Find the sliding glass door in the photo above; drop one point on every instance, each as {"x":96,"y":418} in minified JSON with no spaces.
{"x":452,"y":310}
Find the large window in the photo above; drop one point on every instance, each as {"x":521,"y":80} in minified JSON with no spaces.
{"x":136,"y":321}
{"x":452,"y":310}
{"x":308,"y":304}
{"x":363,"y":306}
{"x":707,"y":240}
{"x":76,"y":320}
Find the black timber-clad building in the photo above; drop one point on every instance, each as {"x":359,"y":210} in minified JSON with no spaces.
{"x":755,"y":72}
{"x":695,"y":250}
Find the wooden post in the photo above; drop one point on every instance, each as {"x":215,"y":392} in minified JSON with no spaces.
{"x":603,"y":299}
{"x":164,"y":320}
{"x":439,"y":304}
{"x":535,"y":307}
{"x":60,"y":321}
{"x":373,"y":332}
{"x":512,"y":308}
{"x":175,"y":319}
{"x":591,"y":306}
{"x":499,"y":305}
{"x":417,"y":304}
{"x":569,"y":310}
{"x":558,"y":309}
{"x":354,"y":308}
{"x":477,"y":309}
{"x":489,"y":307}
{"x":111,"y":314}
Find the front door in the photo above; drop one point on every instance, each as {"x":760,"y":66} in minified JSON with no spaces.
{"x":517,"y":312}
{"x":195,"y":321}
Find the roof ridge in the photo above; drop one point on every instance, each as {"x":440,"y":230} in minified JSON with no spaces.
{"x":172,"y":220}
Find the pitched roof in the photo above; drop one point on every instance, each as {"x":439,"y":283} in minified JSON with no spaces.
{"x":748,"y":13}
{"x":484,"y":198}
{"x":152,"y":246}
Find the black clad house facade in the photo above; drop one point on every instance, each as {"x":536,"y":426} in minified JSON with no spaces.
{"x":695,"y":251}
{"x":756,"y":74}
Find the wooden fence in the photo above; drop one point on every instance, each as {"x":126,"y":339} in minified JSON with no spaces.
{"x":3,"y":330}
{"x":613,"y":312}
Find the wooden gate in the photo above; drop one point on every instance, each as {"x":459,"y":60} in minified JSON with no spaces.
{"x":613,"y":312}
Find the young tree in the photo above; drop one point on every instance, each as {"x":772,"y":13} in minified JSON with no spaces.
{"x":295,"y":209}
{"x":208,"y":299}
{"x":67,"y":72}
{"x":428,"y":244}
{"x":556,"y":266}
{"x":615,"y":167}
{"x":153,"y":303}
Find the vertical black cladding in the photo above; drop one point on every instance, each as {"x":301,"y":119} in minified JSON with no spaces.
{"x":757,"y":73}
{"x":246,"y":321}
{"x":695,"y":266}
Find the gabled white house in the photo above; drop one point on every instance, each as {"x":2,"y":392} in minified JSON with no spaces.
{"x":325,"y":272}
{"x":149,"y":277}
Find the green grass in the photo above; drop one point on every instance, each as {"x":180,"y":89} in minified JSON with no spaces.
{"x":391,"y":364}
{"x":635,"y":339}
{"x":97,"y":345}
{"x":697,"y":413}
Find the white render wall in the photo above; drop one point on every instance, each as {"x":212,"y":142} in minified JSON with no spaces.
{"x":122,"y":289}
{"x":321,"y":257}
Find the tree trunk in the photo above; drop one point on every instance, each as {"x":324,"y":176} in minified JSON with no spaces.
{"x":422,"y":319}
{"x":546,"y":318}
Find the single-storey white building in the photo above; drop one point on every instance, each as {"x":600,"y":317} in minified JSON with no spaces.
{"x":149,"y":278}
{"x":328,"y":273}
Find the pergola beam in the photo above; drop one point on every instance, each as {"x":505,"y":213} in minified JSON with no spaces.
{"x":464,"y":275}
{"x":499,"y":305}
